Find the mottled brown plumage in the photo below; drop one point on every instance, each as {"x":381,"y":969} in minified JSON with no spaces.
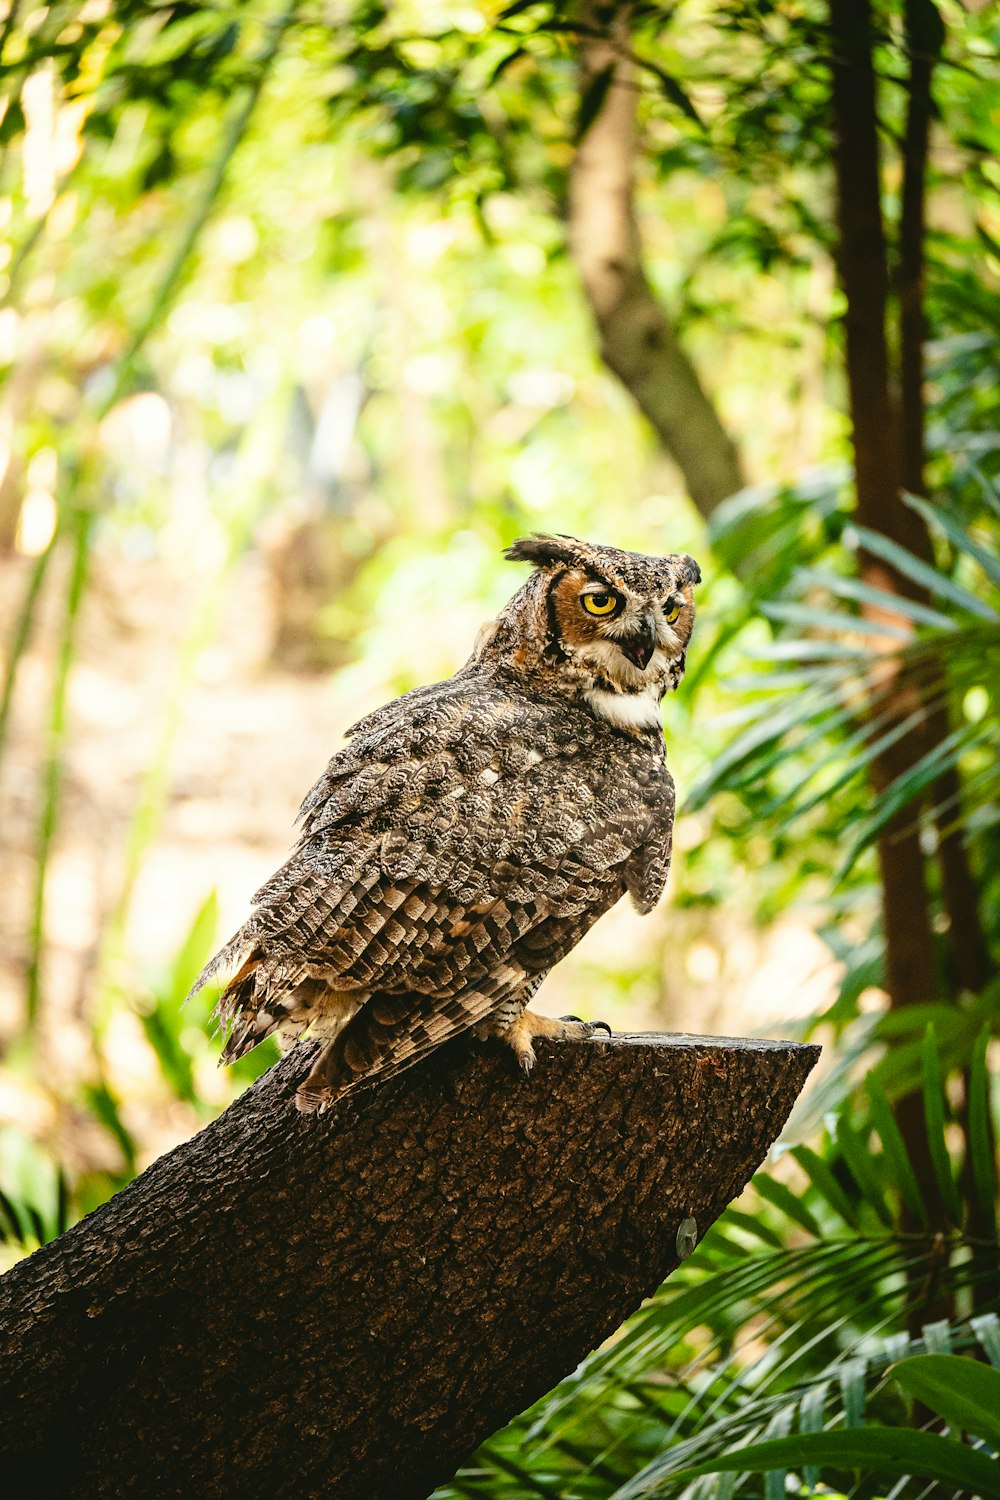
{"x":470,"y":832}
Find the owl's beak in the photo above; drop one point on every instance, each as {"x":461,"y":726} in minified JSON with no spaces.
{"x":639,"y":648}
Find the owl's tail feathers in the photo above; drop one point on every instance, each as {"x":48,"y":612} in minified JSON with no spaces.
{"x":240,"y":953}
{"x":386,"y":1035}
{"x":242,"y":1010}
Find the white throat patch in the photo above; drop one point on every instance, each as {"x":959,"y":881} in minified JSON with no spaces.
{"x":627,"y":710}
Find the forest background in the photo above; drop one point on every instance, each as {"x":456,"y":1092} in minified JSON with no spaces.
{"x":311,"y":308}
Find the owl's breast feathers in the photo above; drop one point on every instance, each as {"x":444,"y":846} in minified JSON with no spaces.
{"x":460,"y":844}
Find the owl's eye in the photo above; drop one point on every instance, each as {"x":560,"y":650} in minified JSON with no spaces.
{"x":671,"y":610}
{"x":602,"y":602}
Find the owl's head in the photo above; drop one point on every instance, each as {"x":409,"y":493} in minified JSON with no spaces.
{"x":607,"y":626}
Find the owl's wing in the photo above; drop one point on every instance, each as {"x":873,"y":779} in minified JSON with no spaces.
{"x":460,"y":846}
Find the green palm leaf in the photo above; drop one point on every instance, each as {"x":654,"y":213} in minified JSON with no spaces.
{"x":877,"y":1450}
{"x":965,"y":1393}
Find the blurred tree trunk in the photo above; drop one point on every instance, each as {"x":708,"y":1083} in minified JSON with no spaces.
{"x":911,"y":976}
{"x":967,"y":950}
{"x":889,"y":459}
{"x":638,"y":342}
{"x":966,"y":942}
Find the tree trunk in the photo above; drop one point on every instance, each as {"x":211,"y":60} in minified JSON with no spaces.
{"x":967,"y":949}
{"x":345,"y":1305}
{"x":911,"y":977}
{"x":637,"y":342}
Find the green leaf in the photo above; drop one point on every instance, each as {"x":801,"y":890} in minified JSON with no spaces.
{"x":505,"y":62}
{"x":912,"y":783}
{"x":12,"y":1226}
{"x":861,"y":759}
{"x":592,"y":100}
{"x":864,"y":593}
{"x":12,"y":123}
{"x":515,"y":9}
{"x":807,"y":649}
{"x":812,"y":1409}
{"x":963,"y":1391}
{"x":987,"y":1330}
{"x":752,"y":1225}
{"x":854,"y":1150}
{"x":782,"y":1197}
{"x":922,"y":573}
{"x":825,"y":1183}
{"x":897,"y":1157}
{"x":852,"y":1388}
{"x":957,"y":534}
{"x":769,"y":725}
{"x":981,"y":1149}
{"x":882,"y":1450}
{"x":811,"y":618}
{"x":934,"y":1117}
{"x":673,"y":91}
{"x":104,"y":1106}
{"x":196,"y":948}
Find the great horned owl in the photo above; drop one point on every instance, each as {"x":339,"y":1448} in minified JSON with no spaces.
{"x":470,"y":832}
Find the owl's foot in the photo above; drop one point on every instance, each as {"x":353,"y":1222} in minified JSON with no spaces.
{"x":529,"y":1025}
{"x":592,"y":1026}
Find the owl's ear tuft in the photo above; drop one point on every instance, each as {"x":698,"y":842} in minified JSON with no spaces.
{"x":544,"y":551}
{"x":688,"y":568}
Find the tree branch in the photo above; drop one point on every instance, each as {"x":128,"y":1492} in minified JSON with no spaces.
{"x":637,"y":341}
{"x":346,"y":1305}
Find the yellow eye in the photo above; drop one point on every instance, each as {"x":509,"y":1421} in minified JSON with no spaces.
{"x":671,"y":611}
{"x":603,"y":602}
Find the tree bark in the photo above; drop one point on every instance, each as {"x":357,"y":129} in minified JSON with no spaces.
{"x":346,"y":1305}
{"x":862,"y":263}
{"x":637,"y":341}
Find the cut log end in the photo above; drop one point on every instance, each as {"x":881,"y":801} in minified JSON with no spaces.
{"x":346,"y":1304}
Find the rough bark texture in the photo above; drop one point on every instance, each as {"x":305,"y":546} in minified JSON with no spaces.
{"x":637,"y":341}
{"x":346,"y":1305}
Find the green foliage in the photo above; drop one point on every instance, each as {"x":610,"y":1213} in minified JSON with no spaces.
{"x":819,"y":697}
{"x":35,"y":1203}
{"x":888,"y":1452}
{"x":961,"y":1391}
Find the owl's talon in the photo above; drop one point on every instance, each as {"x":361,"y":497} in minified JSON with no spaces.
{"x":589,"y":1026}
{"x":526,"y":1061}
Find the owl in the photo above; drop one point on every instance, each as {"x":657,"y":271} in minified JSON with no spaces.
{"x":470,"y":832}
